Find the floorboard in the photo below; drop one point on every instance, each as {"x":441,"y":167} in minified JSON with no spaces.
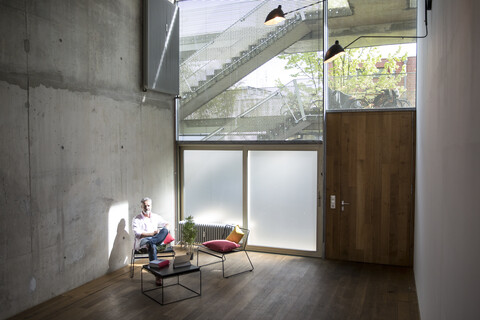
{"x":280,"y":287}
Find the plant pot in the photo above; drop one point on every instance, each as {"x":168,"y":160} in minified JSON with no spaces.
{"x":190,"y":250}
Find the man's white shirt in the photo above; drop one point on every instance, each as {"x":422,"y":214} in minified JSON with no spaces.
{"x":143,"y":224}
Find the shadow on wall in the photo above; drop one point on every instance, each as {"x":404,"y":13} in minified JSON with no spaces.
{"x":121,"y":248}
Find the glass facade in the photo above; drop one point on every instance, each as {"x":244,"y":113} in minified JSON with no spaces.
{"x":373,"y":78}
{"x":237,"y":80}
{"x":241,"y":80}
{"x":378,"y":70}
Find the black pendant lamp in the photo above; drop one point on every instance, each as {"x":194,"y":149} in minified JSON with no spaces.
{"x":275,"y":16}
{"x":334,"y":52}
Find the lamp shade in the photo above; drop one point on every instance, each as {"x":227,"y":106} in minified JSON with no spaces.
{"x":334,"y":52}
{"x":275,"y":16}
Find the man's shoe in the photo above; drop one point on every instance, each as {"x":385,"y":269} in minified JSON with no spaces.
{"x":158,"y":281}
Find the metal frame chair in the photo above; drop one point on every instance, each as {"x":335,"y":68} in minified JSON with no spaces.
{"x":163,"y":251}
{"x":222,"y":255}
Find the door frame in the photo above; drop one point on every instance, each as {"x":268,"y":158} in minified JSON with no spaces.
{"x":403,"y":214}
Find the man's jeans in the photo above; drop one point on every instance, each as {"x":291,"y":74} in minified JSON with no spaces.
{"x":151,"y":243}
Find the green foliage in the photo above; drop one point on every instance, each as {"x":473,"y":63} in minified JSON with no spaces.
{"x":354,"y":74}
{"x":307,"y":65}
{"x":189,"y":232}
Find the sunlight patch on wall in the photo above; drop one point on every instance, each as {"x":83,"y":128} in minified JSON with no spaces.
{"x":117,"y":223}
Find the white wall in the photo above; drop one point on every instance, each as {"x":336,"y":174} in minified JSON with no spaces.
{"x":447,"y":226}
{"x":81,"y":144}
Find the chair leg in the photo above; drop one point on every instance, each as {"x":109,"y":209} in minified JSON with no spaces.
{"x":223,"y":266}
{"x":251,"y":264}
{"x":132,"y":265}
{"x":223,"y":258}
{"x":249,"y":270}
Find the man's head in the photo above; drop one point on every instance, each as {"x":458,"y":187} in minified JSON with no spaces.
{"x":146,"y":205}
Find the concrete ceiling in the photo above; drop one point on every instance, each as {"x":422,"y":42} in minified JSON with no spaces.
{"x":374,"y":17}
{"x":362,"y":18}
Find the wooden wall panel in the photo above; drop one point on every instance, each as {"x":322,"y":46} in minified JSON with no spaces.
{"x":370,"y":165}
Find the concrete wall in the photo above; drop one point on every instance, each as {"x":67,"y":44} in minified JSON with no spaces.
{"x":81,"y":144}
{"x":447,"y":235}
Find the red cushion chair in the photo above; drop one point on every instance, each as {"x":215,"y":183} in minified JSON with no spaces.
{"x":234,"y":240}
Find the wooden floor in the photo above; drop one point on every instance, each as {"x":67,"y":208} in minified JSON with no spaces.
{"x":280,"y":287}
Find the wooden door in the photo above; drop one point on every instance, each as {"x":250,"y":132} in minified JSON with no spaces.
{"x":370,"y":166}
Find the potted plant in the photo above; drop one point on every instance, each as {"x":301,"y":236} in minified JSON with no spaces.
{"x":189,"y":234}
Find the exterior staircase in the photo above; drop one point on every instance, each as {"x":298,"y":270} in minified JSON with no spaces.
{"x":281,"y":115}
{"x":235,"y":53}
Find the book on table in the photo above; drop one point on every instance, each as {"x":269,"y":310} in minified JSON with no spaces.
{"x":159,"y":263}
{"x":181,"y":261}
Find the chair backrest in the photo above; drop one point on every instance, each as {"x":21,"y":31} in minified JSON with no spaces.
{"x":243,"y":243}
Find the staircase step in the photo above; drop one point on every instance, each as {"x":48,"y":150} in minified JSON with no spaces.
{"x":198,"y":91}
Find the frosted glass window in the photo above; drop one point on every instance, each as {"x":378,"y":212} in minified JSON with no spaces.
{"x":282,"y":202}
{"x":213,"y":186}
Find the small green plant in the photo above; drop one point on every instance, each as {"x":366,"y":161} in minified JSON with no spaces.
{"x":189,"y":233}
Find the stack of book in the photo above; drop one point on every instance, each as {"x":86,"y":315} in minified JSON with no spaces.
{"x":159,"y":263}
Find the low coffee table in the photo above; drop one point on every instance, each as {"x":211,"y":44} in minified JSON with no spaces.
{"x":168,"y":272}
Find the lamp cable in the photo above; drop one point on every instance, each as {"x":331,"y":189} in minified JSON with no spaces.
{"x":309,"y":5}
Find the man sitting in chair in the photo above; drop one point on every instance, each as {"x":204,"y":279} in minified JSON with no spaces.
{"x":150,"y":229}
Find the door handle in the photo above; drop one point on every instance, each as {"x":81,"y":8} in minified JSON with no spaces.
{"x":344,"y":204}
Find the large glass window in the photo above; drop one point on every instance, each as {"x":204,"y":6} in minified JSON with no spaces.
{"x":243,"y":81}
{"x":378,"y":70}
{"x":237,"y":81}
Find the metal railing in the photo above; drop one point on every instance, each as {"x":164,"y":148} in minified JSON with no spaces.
{"x":233,"y":47}
{"x":271,"y":117}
